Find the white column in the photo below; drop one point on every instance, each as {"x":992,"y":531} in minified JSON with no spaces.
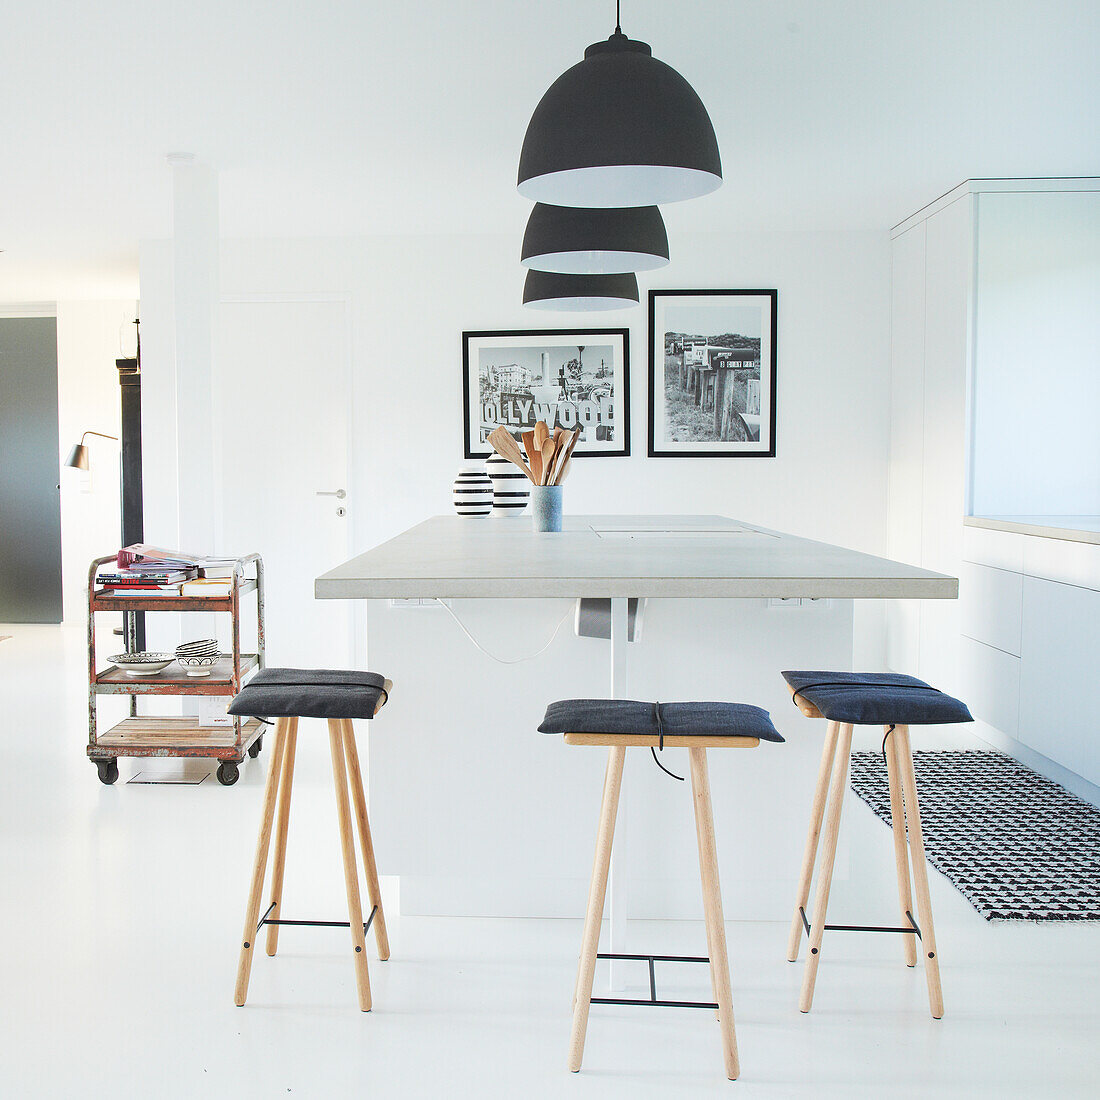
{"x":195,"y":271}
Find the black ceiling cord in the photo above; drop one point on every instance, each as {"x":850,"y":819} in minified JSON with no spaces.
{"x":889,"y":730}
{"x":618,"y":29}
{"x":661,"y":743}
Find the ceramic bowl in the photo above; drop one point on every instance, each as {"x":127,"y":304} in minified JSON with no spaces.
{"x":198,"y":666}
{"x":141,"y":664}
{"x":207,"y":647}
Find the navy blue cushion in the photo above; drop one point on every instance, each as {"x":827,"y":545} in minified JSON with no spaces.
{"x":309,"y":693}
{"x":876,"y":698}
{"x":676,"y":719}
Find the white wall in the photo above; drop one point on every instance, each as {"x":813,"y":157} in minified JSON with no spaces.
{"x":410,"y":298}
{"x":90,"y":337}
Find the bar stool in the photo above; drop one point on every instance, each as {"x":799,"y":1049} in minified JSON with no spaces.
{"x":619,"y":724}
{"x":844,"y":700}
{"x":289,"y":694}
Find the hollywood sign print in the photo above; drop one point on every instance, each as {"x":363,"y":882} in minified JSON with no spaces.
{"x":520,"y":412}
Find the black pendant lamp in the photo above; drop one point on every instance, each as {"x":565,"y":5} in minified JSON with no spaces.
{"x":618,"y":129}
{"x":585,"y":241}
{"x":578,"y":293}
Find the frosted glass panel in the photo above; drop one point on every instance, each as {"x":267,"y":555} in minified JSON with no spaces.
{"x":1035,"y":445}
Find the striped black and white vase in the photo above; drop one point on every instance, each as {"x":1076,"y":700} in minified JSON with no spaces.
{"x":473,"y":493}
{"x":511,"y":486}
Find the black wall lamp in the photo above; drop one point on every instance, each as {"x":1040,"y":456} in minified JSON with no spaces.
{"x":78,"y":456}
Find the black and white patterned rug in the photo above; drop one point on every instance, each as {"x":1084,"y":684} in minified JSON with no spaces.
{"x":1016,"y":845}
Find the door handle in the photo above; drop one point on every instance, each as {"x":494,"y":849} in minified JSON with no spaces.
{"x":339,"y":494}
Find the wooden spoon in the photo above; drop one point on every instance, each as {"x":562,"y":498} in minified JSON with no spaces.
{"x":548,"y":450}
{"x":542,"y":434}
{"x":534,"y":455}
{"x":502,"y":442}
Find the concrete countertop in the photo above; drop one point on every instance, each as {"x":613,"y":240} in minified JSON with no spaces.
{"x":653,"y":556}
{"x":1067,"y":528}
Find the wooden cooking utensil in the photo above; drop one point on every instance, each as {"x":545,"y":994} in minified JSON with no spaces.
{"x":542,"y":434}
{"x":548,"y":450}
{"x":500,"y":439}
{"x":567,"y":457}
{"x":561,"y":443}
{"x":534,"y":456}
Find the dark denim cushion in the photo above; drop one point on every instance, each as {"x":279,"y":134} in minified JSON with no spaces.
{"x":877,"y":698}
{"x":309,"y":693}
{"x":677,"y":719}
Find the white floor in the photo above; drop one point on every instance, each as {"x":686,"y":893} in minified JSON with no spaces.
{"x":121,"y":909}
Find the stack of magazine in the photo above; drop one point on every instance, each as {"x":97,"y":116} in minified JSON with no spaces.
{"x":142,"y":570}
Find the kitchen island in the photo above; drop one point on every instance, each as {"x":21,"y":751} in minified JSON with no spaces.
{"x":479,"y":814}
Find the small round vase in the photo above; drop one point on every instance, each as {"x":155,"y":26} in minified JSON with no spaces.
{"x":473,"y":493}
{"x":511,"y":486}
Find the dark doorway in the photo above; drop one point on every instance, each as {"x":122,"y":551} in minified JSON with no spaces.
{"x":30,"y":501}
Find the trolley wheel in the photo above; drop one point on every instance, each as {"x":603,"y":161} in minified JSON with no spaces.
{"x":108,"y":770}
{"x":254,"y":748}
{"x":228,"y":773}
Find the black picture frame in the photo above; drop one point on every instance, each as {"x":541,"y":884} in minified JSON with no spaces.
{"x":526,"y":343}
{"x":715,"y":389}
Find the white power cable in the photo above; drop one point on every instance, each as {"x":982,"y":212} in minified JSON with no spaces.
{"x":492,"y":656}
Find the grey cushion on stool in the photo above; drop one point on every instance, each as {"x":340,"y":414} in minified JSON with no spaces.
{"x":310,"y":693}
{"x":876,"y":699}
{"x":677,"y":719}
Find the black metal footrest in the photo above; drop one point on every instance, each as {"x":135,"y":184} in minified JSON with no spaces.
{"x":910,"y":931}
{"x":652,"y":998}
{"x":265,"y":919}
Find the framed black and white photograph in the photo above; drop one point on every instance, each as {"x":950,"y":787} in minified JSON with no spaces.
{"x":712,"y":373}
{"x":569,"y":378}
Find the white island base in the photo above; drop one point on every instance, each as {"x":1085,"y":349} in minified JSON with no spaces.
{"x":480,"y":814}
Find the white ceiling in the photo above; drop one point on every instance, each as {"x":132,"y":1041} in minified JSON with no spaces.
{"x":336,"y":118}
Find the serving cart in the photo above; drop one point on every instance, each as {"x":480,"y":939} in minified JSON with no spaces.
{"x":176,"y":736}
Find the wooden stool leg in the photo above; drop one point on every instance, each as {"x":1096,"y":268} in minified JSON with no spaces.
{"x":825,"y":872}
{"x":901,"y":851}
{"x":259,"y":869}
{"x":597,"y":892}
{"x":809,"y":856}
{"x":712,"y":907}
{"x":279,"y":865}
{"x":351,"y":872}
{"x":920,"y":870}
{"x":355,"y":777}
{"x":700,"y":841}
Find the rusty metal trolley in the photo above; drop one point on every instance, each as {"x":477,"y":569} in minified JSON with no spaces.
{"x":176,"y":736}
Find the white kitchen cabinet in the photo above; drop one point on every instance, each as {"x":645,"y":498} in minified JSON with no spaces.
{"x":990,"y":606}
{"x":1061,"y":642}
{"x":1022,"y":635}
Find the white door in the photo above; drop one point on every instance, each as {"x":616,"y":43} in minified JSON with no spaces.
{"x":282,"y":406}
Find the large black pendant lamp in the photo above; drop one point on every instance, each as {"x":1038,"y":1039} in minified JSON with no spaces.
{"x":584,"y":241}
{"x":579,"y":293}
{"x":618,"y":129}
